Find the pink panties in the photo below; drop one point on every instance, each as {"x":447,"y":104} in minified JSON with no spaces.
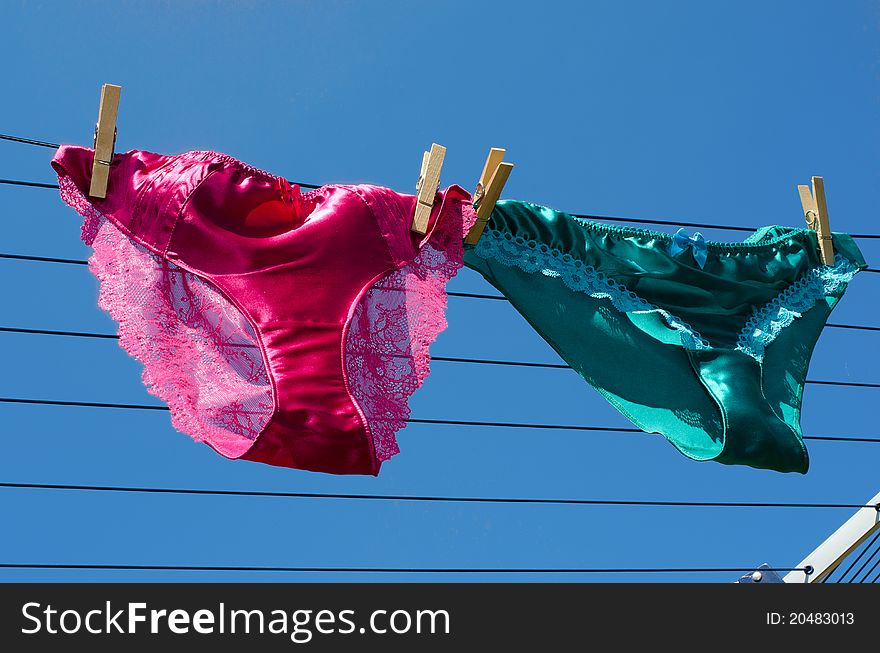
{"x":279,"y":327}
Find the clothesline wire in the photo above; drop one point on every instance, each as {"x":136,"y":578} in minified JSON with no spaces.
{"x":412,"y":420}
{"x":871,"y":570}
{"x":583,"y":216}
{"x":865,"y":549}
{"x":864,"y":564}
{"x":33,"y":184}
{"x":444,"y":359}
{"x":29,"y":141}
{"x":470,"y":295}
{"x":71,"y":261}
{"x":464,"y":295}
{"x":407,"y":570}
{"x":864,"y":578}
{"x":419,"y":498}
{"x":852,"y":564}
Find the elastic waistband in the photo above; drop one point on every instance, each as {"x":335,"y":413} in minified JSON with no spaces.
{"x":752,"y":242}
{"x":786,"y":233}
{"x":755,"y":241}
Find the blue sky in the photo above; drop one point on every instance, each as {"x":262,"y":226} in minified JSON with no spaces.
{"x":685,"y":110}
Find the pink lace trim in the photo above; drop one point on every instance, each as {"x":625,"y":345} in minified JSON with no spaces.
{"x":387,"y":347}
{"x":200,"y":354}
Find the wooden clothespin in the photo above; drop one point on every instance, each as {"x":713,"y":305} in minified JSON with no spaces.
{"x":105,"y":139}
{"x":816,"y":215}
{"x":495,"y":174}
{"x":426,"y":187}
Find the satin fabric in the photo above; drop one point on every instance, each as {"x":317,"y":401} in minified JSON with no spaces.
{"x":295,"y":271}
{"x":711,"y":400}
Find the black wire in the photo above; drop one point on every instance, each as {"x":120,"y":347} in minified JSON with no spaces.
{"x":35,"y":184}
{"x":408,"y":570}
{"x":44,"y":259}
{"x":606,"y":218}
{"x":47,"y":332}
{"x":38,"y":184}
{"x":850,"y":384}
{"x":29,"y":141}
{"x":472,"y":295}
{"x":864,"y":564}
{"x":86,"y":404}
{"x":582,"y":216}
{"x":561,"y":366}
{"x":468,"y":295}
{"x":438,"y":499}
{"x":871,"y":570}
{"x":597,"y":218}
{"x":606,"y":429}
{"x":445,"y":359}
{"x":855,"y":562}
{"x":853,"y":326}
{"x":840,"y":438}
{"x":446,"y":422}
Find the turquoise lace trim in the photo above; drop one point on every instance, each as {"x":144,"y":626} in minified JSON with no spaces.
{"x":768,"y":322}
{"x":534,"y":257}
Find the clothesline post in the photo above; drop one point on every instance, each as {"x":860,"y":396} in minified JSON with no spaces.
{"x":839,"y":545}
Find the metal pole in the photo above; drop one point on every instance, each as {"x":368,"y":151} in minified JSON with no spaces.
{"x":842,"y":542}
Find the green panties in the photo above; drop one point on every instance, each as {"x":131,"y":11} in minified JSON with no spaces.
{"x":714,"y":357}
